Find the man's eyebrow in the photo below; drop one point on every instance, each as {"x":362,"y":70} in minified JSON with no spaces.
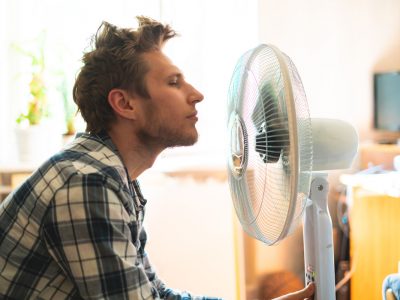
{"x":176,"y":74}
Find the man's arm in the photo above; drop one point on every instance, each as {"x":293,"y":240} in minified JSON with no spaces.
{"x":87,"y":233}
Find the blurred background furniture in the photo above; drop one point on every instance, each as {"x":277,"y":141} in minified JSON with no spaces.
{"x":391,"y":286}
{"x":374,"y":201}
{"x":11,"y":176}
{"x":378,"y":154}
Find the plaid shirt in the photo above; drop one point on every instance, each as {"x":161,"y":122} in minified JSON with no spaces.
{"x":74,"y":230}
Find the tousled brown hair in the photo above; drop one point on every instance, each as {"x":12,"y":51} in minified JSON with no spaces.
{"x":115,"y":62}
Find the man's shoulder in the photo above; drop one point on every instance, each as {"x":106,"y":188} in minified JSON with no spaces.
{"x":86,"y":157}
{"x":86,"y":161}
{"x":89,"y":154}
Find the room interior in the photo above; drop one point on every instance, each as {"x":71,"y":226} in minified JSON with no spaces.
{"x":337,"y":47}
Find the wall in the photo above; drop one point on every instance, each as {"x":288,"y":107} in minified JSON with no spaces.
{"x":190,"y":226}
{"x":336,"y":46}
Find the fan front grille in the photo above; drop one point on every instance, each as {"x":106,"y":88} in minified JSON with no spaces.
{"x":270,"y":104}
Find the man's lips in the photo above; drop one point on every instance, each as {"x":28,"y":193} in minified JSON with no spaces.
{"x":193,"y":116}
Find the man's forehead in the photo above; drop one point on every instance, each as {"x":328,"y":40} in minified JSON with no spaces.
{"x":159,"y":63}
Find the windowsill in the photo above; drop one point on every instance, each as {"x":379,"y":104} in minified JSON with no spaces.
{"x":17,"y":167}
{"x":199,"y":167}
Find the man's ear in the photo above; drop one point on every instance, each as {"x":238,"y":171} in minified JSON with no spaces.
{"x":122,"y":103}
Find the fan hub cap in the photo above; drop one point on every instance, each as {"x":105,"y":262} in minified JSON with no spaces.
{"x":238,"y":147}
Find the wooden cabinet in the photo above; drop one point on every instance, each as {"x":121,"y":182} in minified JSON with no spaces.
{"x":374,"y":241}
{"x":377,"y":154}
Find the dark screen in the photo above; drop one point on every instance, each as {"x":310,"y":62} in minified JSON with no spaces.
{"x":387,"y":101}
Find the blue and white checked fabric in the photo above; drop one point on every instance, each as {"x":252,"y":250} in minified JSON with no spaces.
{"x":73,"y":230}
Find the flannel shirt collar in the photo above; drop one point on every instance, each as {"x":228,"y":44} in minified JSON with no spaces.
{"x":102,"y":137}
{"x":133,"y":185}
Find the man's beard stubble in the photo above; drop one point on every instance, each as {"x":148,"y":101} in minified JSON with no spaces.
{"x":166,"y":138}
{"x":156,"y":133}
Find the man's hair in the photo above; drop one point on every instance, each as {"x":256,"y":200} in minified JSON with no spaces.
{"x":116,"y":62}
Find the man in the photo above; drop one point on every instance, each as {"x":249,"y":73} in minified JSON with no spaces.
{"x":74,"y":230}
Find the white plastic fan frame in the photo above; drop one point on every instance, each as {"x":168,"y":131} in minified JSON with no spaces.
{"x":319,"y":262}
{"x":293,"y":159}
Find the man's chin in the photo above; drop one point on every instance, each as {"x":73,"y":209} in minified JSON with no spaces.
{"x":184,"y":142}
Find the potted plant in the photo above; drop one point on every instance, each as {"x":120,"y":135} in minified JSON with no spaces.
{"x":70,"y":108}
{"x":36,"y":109}
{"x":34,"y":138}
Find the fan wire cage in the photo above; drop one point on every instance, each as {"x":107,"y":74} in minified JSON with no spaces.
{"x":270,"y":150}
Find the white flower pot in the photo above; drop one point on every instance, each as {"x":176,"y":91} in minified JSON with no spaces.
{"x":36,"y":143}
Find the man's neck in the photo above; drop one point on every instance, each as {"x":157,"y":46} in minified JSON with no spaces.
{"x":136,"y":156}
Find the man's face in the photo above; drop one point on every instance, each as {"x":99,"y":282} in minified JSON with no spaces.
{"x":169,"y":115}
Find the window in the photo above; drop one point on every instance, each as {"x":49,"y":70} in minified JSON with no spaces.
{"x":213,"y":36}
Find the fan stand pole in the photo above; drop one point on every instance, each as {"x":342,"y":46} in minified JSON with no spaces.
{"x":318,"y":240}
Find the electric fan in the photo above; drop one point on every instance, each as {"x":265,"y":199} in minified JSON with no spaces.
{"x":274,"y":150}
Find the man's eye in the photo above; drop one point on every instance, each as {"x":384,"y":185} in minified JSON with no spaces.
{"x":174,"y":83}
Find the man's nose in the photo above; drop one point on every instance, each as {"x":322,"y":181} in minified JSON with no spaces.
{"x":196,"y":96}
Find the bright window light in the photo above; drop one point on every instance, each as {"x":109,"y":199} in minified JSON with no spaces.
{"x":213,"y":35}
